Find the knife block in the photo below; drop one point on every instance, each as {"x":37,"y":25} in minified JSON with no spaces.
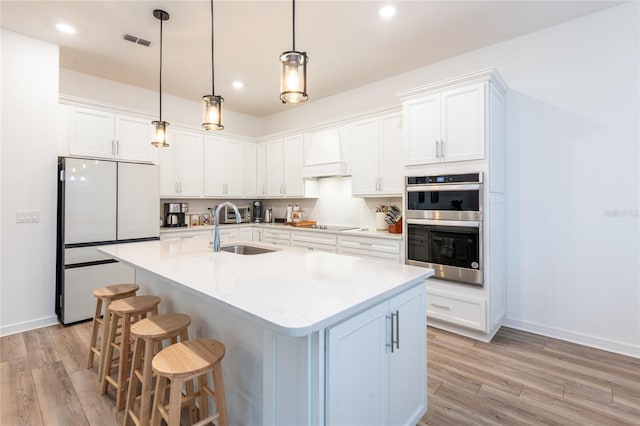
{"x":397,"y":228}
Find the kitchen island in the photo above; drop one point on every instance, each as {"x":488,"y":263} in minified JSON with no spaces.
{"x":311,"y":337}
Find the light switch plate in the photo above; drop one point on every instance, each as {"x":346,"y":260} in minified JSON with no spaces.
{"x":27,"y":216}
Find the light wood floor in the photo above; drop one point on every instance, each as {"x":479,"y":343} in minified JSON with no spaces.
{"x":518,"y":378}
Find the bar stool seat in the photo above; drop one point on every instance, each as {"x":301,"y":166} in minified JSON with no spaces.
{"x":181,"y":363}
{"x":104,"y":296}
{"x":124,"y":312}
{"x":149,"y":334}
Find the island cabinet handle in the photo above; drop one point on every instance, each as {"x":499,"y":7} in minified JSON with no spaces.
{"x":393,"y":339}
{"x":397,"y":329}
{"x":435,"y":305}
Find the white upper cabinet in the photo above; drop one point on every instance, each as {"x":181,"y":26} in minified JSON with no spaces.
{"x":292,"y":159}
{"x":182,"y":165}
{"x":261,"y":169}
{"x":224,"y":168}
{"x":250,"y":170}
{"x":96,"y":133}
{"x":445,"y":126}
{"x":284,"y":167}
{"x":376,"y":160}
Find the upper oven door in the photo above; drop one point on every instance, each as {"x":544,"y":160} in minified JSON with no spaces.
{"x":449,"y":201}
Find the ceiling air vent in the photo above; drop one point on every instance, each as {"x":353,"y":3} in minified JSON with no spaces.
{"x":134,"y":39}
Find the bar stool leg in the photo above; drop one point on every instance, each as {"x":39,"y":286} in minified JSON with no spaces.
{"x":133,"y":379}
{"x":94,"y":333}
{"x":108,"y":354}
{"x":175,"y":402}
{"x":221,"y":405}
{"x":122,"y":366}
{"x":204,"y":400}
{"x":158,"y":400}
{"x":145,"y":394}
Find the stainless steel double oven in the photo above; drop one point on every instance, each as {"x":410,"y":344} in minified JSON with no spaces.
{"x":444,"y":225}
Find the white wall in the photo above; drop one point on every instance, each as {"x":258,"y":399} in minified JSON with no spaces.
{"x":177,"y":111}
{"x":572,"y":156}
{"x":29,"y":97}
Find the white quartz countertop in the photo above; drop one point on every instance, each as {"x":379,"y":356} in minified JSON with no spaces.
{"x":293,"y":292}
{"x":358,"y":232}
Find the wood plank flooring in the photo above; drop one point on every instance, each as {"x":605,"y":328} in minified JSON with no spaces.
{"x":517,"y":379}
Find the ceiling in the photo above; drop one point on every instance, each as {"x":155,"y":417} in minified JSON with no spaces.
{"x":348,"y":43}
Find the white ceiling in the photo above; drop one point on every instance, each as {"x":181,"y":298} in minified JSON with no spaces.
{"x":348,"y":44}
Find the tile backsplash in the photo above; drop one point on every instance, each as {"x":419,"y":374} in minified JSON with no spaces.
{"x":334,"y":206}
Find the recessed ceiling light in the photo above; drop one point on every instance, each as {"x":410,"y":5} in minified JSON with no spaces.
{"x":65,"y":28}
{"x":387,"y":11}
{"x":237,"y":84}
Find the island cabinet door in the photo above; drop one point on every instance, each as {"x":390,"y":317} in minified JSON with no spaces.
{"x":357,"y":370}
{"x":407,"y":362}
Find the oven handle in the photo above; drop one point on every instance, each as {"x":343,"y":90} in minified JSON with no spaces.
{"x":446,"y":187}
{"x":467,"y":223}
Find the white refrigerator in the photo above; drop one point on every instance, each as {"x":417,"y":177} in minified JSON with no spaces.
{"x":99,"y":202}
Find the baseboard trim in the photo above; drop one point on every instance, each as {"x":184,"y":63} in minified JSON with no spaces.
{"x":573,"y":337}
{"x":6,"y":330}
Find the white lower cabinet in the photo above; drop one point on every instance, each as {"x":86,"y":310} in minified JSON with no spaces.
{"x":245,"y":234}
{"x":276,"y":237}
{"x":376,"y":369}
{"x":203,"y":233}
{"x":457,"y":308}
{"x":314,"y":241}
{"x":372,"y":248}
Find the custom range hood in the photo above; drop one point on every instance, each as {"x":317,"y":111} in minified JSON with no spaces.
{"x":326,"y":153}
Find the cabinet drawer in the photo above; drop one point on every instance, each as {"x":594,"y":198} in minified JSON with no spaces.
{"x":186,"y":234}
{"x":457,"y":309}
{"x":328,"y":248}
{"x":276,"y":242}
{"x":314,"y":237}
{"x":370,"y":254}
{"x":371,"y":244}
{"x":277,"y":234}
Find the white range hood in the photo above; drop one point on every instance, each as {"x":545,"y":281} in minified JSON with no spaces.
{"x":326,"y":153}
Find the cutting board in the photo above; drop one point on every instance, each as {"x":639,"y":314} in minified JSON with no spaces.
{"x":302,"y":223}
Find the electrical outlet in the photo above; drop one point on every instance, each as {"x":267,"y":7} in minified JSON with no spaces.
{"x":27,"y":216}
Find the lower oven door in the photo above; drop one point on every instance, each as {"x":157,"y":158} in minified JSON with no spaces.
{"x":452,"y":248}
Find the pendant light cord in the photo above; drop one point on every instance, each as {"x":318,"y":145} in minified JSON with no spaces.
{"x":160,"y":69}
{"x":213,"y":87}
{"x":294,"y":25}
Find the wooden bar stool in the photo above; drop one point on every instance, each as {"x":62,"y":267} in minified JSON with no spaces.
{"x":181,"y":363}
{"x":123,"y":311}
{"x":104,"y":296}
{"x":149,"y":334}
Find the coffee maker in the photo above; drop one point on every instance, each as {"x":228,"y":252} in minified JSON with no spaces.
{"x":174,"y":214}
{"x":257,"y":212}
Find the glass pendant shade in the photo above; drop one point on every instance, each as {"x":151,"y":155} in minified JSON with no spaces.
{"x":293,"y":85}
{"x":160,"y":134}
{"x":212,"y":112}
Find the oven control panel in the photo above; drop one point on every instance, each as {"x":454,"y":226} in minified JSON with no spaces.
{"x":463,"y":178}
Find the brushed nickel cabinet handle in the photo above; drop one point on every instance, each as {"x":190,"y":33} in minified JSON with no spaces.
{"x":435,"y":305}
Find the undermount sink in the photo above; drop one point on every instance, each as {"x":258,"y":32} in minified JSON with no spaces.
{"x":243,"y":249}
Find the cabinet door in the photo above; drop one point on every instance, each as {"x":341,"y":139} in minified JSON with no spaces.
{"x":275,"y":168}
{"x":365,"y":157}
{"x":261,"y":169}
{"x":462,"y":125}
{"x":407,"y":365}
{"x":391,"y":168}
{"x":250,"y":171}
{"x":133,"y":139}
{"x":91,"y":133}
{"x":233,"y":168}
{"x":190,"y":164}
{"x":168,"y":159}
{"x":292,"y":157}
{"x":422,"y":130}
{"x":357,"y":370}
{"x":213,"y":166}
{"x":245,"y":234}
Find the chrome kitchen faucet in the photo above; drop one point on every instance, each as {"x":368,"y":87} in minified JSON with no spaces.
{"x":216,"y":238}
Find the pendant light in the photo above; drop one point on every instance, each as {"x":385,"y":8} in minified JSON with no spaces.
{"x":212,"y":104}
{"x":293,"y":84}
{"x":160,"y":133}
